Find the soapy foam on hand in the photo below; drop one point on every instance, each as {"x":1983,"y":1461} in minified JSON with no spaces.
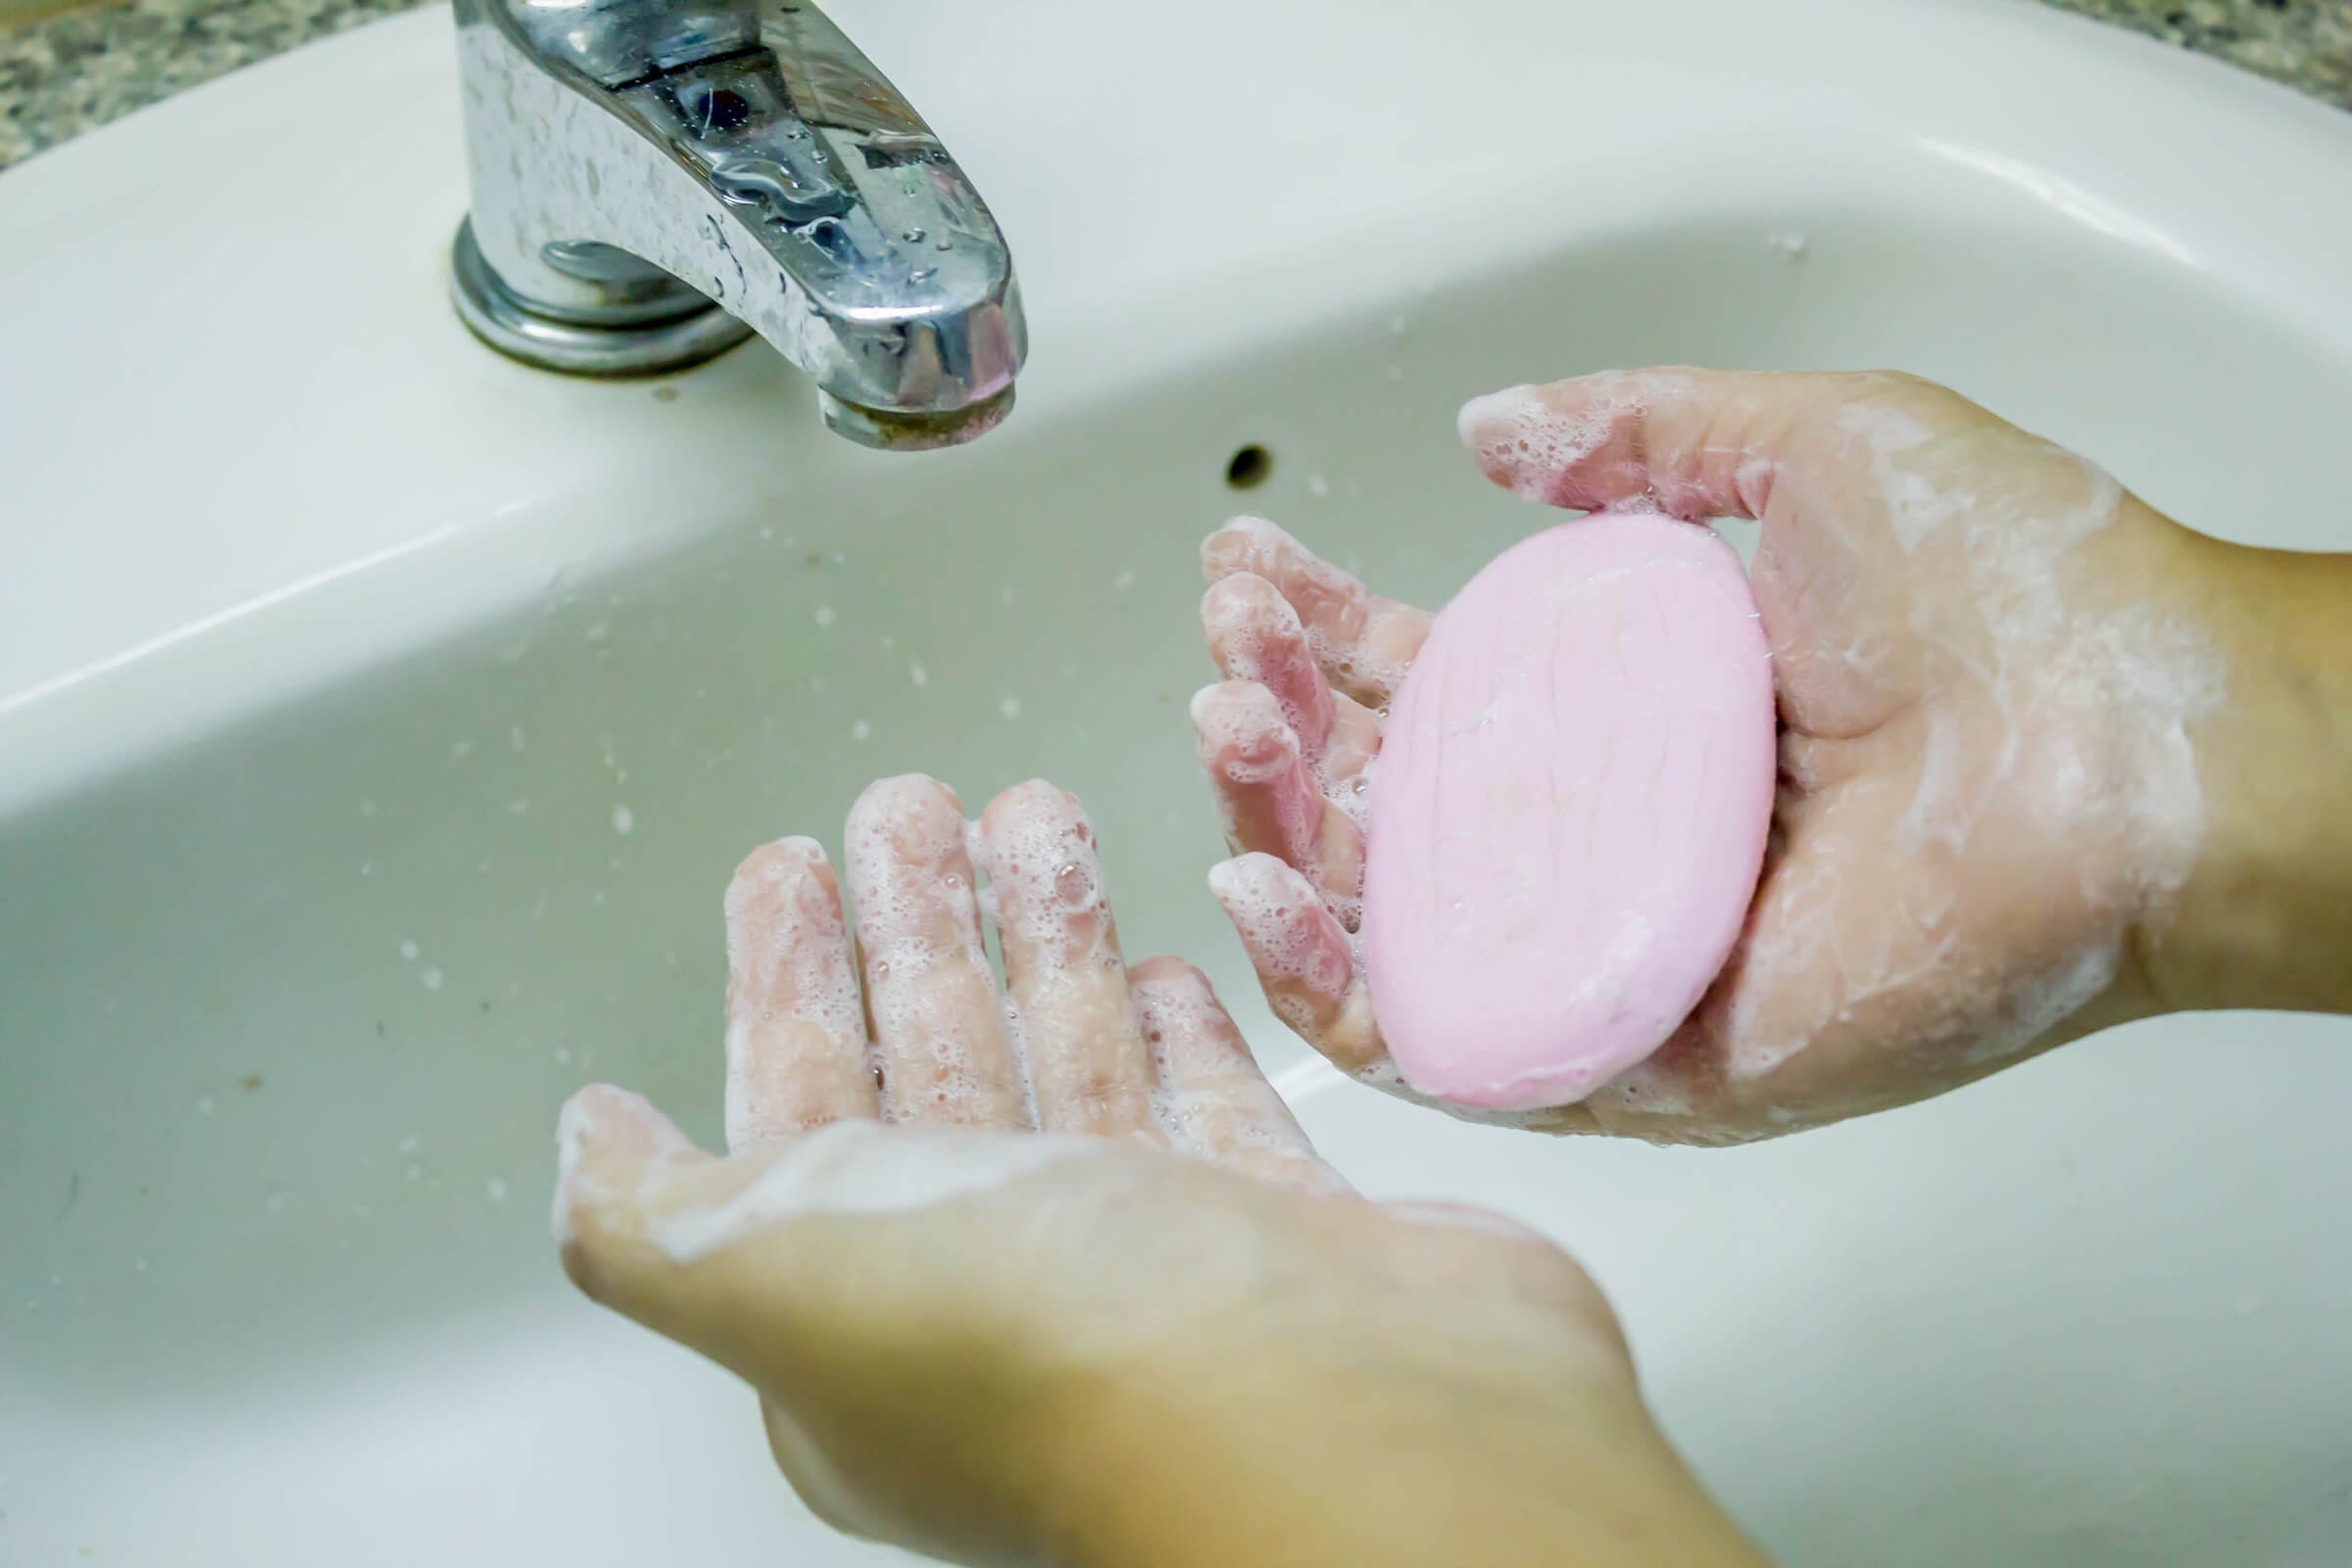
{"x":848,"y":1168}
{"x":785,"y":940}
{"x":863,"y":1168}
{"x":918,"y":911}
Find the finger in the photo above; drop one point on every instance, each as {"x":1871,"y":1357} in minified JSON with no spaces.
{"x":1304,"y":961}
{"x":1267,"y":802}
{"x":1255,"y":635}
{"x":614,"y":1154}
{"x":930,"y":995}
{"x":1088,"y":1069}
{"x":1215,"y":1103}
{"x":797,"y":1054}
{"x":1692,"y":444}
{"x":1363,"y":643}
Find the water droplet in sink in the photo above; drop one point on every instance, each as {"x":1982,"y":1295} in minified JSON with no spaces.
{"x":1011,"y":708}
{"x":912,"y":236}
{"x":1399,"y":324}
{"x":623,"y":819}
{"x":410,"y":1144}
{"x":860,"y":729}
{"x":918,"y":674}
{"x":204,"y":1105}
{"x":495,"y":1188}
{"x":409,"y":950}
{"x":1317,"y":486}
{"x":922,"y":274}
{"x":431,"y":979}
{"x":824,"y":615}
{"x":1123,"y":581}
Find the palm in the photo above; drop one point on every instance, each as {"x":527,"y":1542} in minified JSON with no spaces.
{"x":1961,"y":838}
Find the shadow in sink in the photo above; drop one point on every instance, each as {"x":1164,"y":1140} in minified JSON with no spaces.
{"x":288,"y":1015}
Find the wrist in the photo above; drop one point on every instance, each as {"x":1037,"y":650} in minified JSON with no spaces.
{"x":2264,"y":918}
{"x":1378,"y":1464}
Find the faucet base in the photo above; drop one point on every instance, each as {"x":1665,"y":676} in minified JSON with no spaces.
{"x":679,"y":330}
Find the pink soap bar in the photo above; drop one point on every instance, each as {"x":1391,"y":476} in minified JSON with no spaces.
{"x":1569,"y":811}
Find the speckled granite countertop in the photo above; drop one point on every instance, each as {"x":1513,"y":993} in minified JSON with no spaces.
{"x":85,"y":66}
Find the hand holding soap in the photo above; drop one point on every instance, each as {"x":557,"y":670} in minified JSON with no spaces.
{"x":1569,"y":811}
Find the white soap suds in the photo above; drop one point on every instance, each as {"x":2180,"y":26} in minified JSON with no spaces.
{"x":865,"y":1169}
{"x":912,"y":882}
{"x":1256,"y":546}
{"x":1515,"y":432}
{"x":1292,"y":939}
{"x":788,"y":965}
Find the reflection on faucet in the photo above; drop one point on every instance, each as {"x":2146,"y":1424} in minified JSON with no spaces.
{"x":654,"y":181}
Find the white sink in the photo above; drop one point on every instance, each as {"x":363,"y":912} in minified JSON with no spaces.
{"x":378,"y":722}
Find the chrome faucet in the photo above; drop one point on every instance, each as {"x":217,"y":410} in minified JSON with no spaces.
{"x":654,"y":180}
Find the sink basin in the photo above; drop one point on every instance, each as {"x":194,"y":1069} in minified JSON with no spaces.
{"x":380,"y":720}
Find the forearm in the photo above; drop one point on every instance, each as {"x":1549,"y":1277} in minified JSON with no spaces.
{"x":2265,"y":918}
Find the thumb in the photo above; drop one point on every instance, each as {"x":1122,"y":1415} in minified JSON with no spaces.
{"x":1692,"y":444}
{"x":621,"y":1168}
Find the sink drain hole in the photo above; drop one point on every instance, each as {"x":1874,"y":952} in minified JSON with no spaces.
{"x":1249,"y":467}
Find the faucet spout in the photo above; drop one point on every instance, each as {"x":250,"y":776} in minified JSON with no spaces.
{"x":654,"y":180}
